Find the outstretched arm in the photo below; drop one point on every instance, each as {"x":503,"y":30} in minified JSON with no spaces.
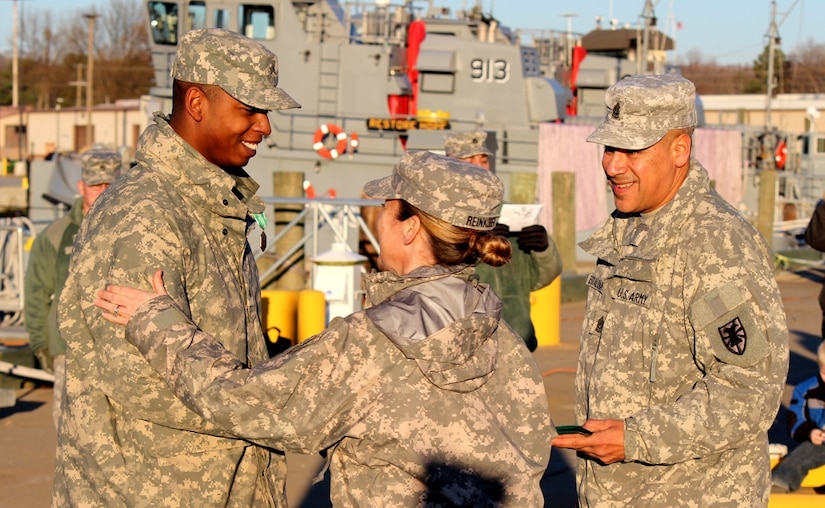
{"x":267,"y":404}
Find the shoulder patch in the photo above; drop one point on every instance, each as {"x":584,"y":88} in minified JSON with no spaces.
{"x":725,"y":318}
{"x":734,"y":336}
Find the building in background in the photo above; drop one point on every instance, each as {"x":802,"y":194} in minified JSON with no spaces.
{"x":30,"y":134}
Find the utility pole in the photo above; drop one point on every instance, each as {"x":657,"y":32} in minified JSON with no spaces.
{"x":78,"y":84}
{"x":90,"y":62}
{"x":15,"y":56}
{"x":772,"y":36}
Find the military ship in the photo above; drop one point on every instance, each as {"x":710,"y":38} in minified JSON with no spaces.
{"x":377,"y":78}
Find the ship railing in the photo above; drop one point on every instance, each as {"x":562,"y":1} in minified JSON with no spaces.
{"x":795,"y":198}
{"x":291,"y":125}
{"x":371,"y":24}
{"x":324,"y":221}
{"x":13,"y":235}
{"x":555,"y":47}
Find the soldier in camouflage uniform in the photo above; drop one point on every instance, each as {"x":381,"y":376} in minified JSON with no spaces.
{"x":684,"y":349}
{"x":187,"y":206}
{"x":534,"y":265}
{"x":49,"y":266}
{"x":426,"y":398}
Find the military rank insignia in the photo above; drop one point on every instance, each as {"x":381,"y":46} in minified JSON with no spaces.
{"x":734,"y":336}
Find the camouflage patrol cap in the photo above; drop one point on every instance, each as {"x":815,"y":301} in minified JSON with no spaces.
{"x":642,"y":109}
{"x":452,"y":190}
{"x":99,"y":166}
{"x":242,"y":67}
{"x":462,"y":145}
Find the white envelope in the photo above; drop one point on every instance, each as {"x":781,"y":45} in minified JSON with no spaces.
{"x":519,"y":216}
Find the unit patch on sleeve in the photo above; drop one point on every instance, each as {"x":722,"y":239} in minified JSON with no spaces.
{"x":724,"y":318}
{"x":734,"y":336}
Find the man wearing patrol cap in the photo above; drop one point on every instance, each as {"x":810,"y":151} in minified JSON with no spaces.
{"x":535,"y":264}
{"x":684,"y":353}
{"x":187,"y":206}
{"x":425,"y":398}
{"x":49,"y":266}
{"x":475,"y":147}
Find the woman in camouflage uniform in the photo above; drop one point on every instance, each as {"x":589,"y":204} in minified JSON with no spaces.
{"x":425,"y":398}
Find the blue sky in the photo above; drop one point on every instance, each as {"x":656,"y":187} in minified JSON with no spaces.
{"x":731,"y":31}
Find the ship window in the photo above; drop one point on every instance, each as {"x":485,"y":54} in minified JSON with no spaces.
{"x":222,"y":18}
{"x":258,"y":21}
{"x":163,"y":18}
{"x":196,"y":16}
{"x":437,"y":82}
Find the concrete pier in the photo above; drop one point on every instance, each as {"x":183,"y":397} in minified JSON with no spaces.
{"x":27,"y":436}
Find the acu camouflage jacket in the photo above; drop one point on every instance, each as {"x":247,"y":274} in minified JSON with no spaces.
{"x":424,"y":399}
{"x":124,"y":438}
{"x":685,"y":339}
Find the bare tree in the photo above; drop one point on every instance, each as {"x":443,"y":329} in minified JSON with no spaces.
{"x":711,"y":78}
{"x":54,"y":54}
{"x":807,"y":74}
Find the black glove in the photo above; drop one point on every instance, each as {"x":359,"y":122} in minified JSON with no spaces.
{"x":533,"y":238}
{"x":500,"y":230}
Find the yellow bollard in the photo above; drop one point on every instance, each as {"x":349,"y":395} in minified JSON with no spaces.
{"x":312,"y":313}
{"x":279,"y":309}
{"x":545,"y":312}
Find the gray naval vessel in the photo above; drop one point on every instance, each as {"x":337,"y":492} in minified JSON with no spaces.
{"x":377,"y":78}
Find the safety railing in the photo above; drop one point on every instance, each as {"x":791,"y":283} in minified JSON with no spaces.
{"x":13,"y":235}
{"x":339,"y":219}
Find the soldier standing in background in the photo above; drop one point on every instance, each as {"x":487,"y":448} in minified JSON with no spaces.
{"x":815,"y":237}
{"x":49,"y":266}
{"x":535,"y":264}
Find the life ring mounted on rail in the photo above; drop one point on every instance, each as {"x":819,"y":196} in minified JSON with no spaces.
{"x":329,"y":129}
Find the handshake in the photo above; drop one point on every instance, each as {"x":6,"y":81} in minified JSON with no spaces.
{"x":531,"y":238}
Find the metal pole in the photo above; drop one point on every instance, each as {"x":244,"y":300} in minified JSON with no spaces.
{"x":15,"y":57}
{"x":57,"y":108}
{"x":643,"y":55}
{"x":90,"y":59}
{"x":568,"y":43}
{"x":771,"y":50}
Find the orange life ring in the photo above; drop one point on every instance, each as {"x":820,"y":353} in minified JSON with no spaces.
{"x":329,"y":129}
{"x":353,"y":142}
{"x":781,"y":155}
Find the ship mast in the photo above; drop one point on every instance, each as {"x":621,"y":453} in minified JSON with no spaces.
{"x":643,"y":49}
{"x":773,"y":38}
